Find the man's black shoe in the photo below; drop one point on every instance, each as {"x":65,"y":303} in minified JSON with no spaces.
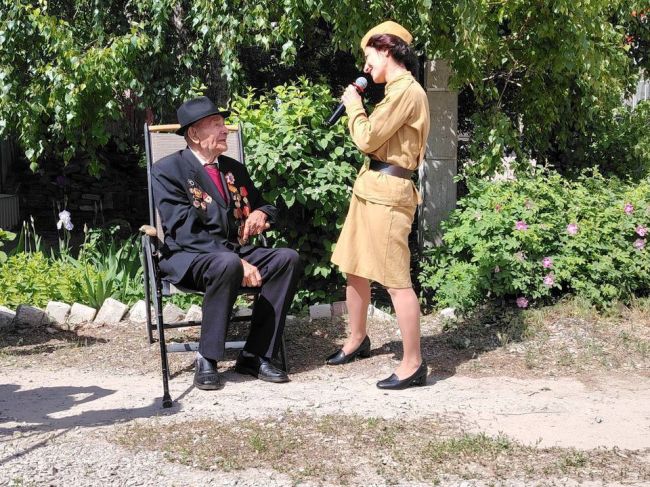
{"x":259,"y":367}
{"x":205,"y":374}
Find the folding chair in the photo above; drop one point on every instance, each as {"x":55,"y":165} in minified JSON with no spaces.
{"x":160,"y":141}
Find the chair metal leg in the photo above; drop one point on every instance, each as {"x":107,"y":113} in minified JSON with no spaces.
{"x":147,"y":288}
{"x":166,"y":400}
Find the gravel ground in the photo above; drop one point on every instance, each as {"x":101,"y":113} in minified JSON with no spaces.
{"x":55,"y":427}
{"x":63,"y":398}
{"x":84,"y":459}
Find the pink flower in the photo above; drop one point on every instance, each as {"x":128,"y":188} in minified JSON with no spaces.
{"x":639,"y":243}
{"x":628,"y":209}
{"x":547,"y":262}
{"x":497,"y":269}
{"x":641,"y":230}
{"x":572,"y":228}
{"x":521,"y":225}
{"x":522,"y":302}
{"x":549,"y":280}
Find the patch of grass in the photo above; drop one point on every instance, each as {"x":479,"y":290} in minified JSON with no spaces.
{"x":257,"y":443}
{"x":20,"y":482}
{"x":468,"y":446}
{"x":573,"y":459}
{"x":576,"y":308}
{"x":531,"y":358}
{"x":568,"y":338}
{"x":634,"y":343}
{"x":565,"y":358}
{"x":356,"y":450}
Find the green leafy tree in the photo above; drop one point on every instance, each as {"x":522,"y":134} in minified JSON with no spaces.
{"x":61,"y":81}
{"x":541,"y":76}
{"x":622,"y":147}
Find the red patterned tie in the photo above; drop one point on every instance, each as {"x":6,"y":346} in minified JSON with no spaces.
{"x":215,"y":175}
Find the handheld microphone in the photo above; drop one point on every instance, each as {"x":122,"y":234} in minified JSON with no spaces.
{"x":360,"y":84}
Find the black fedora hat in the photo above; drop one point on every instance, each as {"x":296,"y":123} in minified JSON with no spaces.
{"x":194,"y":110}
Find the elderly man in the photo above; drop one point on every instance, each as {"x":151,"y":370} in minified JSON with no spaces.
{"x":209,"y":209}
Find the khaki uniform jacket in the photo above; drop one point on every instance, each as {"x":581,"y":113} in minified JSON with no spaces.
{"x":396,"y":132}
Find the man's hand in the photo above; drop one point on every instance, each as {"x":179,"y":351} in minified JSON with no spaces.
{"x":252,"y":276}
{"x":255,"y":224}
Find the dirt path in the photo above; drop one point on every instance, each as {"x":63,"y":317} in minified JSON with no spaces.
{"x":50,"y":418}
{"x":550,"y":412}
{"x":576,"y":391}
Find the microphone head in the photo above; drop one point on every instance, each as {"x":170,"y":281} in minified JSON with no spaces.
{"x":361,"y":83}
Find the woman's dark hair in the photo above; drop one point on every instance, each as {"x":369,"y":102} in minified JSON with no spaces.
{"x":399,"y":50}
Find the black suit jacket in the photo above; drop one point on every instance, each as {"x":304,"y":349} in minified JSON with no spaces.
{"x":195,"y":217}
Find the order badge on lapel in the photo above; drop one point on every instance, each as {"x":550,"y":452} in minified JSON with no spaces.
{"x":242,"y":205}
{"x":200,"y":199}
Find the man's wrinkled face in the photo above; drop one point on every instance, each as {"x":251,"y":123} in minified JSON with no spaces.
{"x":210,"y":134}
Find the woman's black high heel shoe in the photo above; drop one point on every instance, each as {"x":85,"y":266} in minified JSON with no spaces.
{"x":339,"y":357}
{"x":419,"y":378}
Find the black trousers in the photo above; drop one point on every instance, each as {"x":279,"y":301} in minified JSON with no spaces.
{"x":219,"y":276}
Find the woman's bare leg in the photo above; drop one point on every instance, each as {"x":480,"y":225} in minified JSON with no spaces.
{"x":357,"y":296}
{"x":407,"y":309}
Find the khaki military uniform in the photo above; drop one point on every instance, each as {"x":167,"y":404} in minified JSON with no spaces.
{"x":374,"y":239}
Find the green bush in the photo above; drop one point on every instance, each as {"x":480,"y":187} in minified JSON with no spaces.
{"x":105,"y":267}
{"x":537,"y":238}
{"x":33,"y":278}
{"x":5,"y":235}
{"x":305,"y":168}
{"x":108,"y":268}
{"x":622,"y":146}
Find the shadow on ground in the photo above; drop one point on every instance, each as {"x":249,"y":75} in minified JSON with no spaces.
{"x":32,"y":412}
{"x":35,"y":340}
{"x":454,"y":343}
{"x":307,"y":341}
{"x":310,"y":342}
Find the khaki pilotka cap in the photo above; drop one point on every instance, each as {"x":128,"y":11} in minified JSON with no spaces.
{"x":388,"y":27}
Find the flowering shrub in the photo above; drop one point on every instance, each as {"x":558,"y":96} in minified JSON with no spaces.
{"x":537,"y":238}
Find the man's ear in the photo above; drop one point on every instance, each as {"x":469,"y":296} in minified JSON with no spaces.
{"x":191,"y":134}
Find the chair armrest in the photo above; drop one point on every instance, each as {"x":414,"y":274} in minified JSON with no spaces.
{"x":262,"y":240}
{"x":148,"y":230}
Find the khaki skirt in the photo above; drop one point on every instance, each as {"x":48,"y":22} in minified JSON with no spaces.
{"x":374,"y":243}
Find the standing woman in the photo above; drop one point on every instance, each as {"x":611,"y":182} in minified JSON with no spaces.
{"x":373,"y":244}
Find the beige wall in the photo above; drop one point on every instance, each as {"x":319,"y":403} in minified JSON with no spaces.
{"x":437,"y":173}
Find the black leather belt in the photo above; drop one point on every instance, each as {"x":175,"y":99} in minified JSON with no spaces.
{"x":391,"y":169}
